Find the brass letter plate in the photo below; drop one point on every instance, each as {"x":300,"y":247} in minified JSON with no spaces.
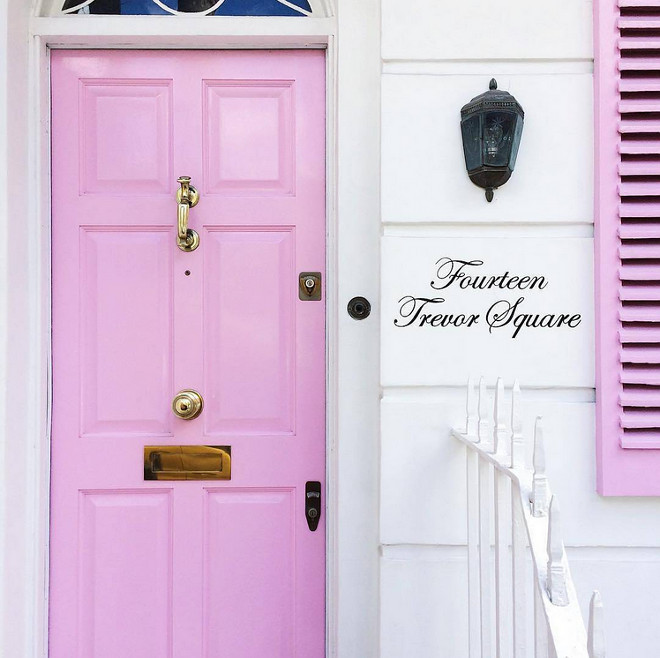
{"x":187,"y":462}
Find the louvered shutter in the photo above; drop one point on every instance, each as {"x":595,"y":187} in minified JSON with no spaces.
{"x":627,"y":238}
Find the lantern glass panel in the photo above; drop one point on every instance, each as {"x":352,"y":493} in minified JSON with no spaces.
{"x":498,"y":136}
{"x":471,"y":129}
{"x":517,"y":135}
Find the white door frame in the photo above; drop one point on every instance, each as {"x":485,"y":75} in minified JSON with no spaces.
{"x":352,"y":40}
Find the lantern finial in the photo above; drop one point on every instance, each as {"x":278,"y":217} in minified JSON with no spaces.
{"x":493,"y":84}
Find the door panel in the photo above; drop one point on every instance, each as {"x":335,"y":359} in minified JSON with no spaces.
{"x":246,"y":580}
{"x":126,"y":274}
{"x":249,"y":330}
{"x":125,"y":605}
{"x":187,"y":569}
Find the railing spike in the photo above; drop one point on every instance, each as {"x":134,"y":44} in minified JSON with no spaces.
{"x":499,"y":427}
{"x":517,"y":439}
{"x":539,"y":498}
{"x":471,"y":408}
{"x":596,"y":634}
{"x":484,"y":424}
{"x":557,"y":590}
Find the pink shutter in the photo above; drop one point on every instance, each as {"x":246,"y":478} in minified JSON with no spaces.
{"x":627,"y":236}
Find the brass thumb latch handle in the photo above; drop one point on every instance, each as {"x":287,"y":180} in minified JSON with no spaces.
{"x":187,"y":197}
{"x":187,"y":404}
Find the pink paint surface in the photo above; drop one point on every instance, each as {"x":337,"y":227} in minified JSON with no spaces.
{"x":627,"y":256}
{"x":192,"y":569}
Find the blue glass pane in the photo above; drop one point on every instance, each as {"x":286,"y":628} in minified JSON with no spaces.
{"x":228,"y":8}
{"x":260,"y":8}
{"x":141,"y":7}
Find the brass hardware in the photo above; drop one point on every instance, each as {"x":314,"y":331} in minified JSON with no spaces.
{"x":187,"y":462}
{"x":309,"y":286}
{"x":187,"y":404}
{"x":187,"y":197}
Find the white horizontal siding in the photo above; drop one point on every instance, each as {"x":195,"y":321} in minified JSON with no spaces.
{"x":479,"y":29}
{"x":423,"y":171}
{"x":424,"y":599}
{"x":423,"y":472}
{"x":414,"y":355}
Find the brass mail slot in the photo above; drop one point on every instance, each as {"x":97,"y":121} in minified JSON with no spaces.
{"x":187,"y":462}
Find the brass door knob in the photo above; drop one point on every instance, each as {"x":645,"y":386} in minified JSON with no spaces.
{"x":187,"y":404}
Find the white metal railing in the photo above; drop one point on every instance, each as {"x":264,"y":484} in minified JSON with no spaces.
{"x":510,"y":505}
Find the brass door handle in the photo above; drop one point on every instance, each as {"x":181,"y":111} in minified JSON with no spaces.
{"x":187,"y":404}
{"x":187,"y":197}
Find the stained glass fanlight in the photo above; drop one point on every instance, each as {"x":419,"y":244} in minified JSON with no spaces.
{"x":201,"y":7}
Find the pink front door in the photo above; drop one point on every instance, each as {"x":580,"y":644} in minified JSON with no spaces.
{"x":191,"y":568}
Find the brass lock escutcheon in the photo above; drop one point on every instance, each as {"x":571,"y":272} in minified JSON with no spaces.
{"x":187,"y":404}
{"x":187,"y":197}
{"x":309,"y":286}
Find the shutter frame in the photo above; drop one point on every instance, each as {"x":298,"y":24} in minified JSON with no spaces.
{"x":627,"y":452}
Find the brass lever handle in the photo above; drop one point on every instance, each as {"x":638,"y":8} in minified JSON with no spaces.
{"x":187,"y":197}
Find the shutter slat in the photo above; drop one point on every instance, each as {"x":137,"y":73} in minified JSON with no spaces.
{"x":639,"y":314}
{"x":639,"y":3}
{"x":643,"y":22}
{"x":639,"y":127}
{"x":639,"y":43}
{"x":642,"y":209}
{"x":640,"y":398}
{"x":640,"y":420}
{"x":639,"y":168}
{"x":639,"y":106}
{"x":639,"y":293}
{"x":639,"y":64}
{"x":640,"y":440}
{"x":642,"y":376}
{"x":640,"y":355}
{"x":633,"y":85}
{"x":639,"y":273}
{"x":639,"y":189}
{"x":640,"y":147}
{"x":639,"y":335}
{"x":639,"y":251}
{"x":639,"y":231}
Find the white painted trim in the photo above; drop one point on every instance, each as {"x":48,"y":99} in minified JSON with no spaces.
{"x":353,"y":262}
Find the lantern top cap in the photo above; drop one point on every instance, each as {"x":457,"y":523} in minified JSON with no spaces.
{"x":493,"y":99}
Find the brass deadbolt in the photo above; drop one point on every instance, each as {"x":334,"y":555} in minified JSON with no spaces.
{"x":187,"y":404}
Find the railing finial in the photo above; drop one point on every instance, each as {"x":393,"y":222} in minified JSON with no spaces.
{"x":471,"y":408}
{"x":483,"y":428}
{"x":596,"y":633}
{"x":499,"y":427}
{"x":517,"y":439}
{"x":539,"y":497}
{"x":557,"y":590}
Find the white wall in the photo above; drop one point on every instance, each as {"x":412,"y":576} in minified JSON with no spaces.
{"x":437,"y":55}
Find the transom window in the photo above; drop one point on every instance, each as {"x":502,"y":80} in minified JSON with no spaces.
{"x":178,"y":7}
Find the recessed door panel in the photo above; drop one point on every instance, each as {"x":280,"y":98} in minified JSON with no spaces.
{"x":188,"y":378}
{"x":249,"y":145}
{"x":124,"y":602}
{"x":126,"y":311}
{"x":118,"y":113}
{"x":249,"y":335}
{"x":249,"y":589}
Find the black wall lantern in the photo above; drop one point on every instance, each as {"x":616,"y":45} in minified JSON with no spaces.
{"x":491,"y":125}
